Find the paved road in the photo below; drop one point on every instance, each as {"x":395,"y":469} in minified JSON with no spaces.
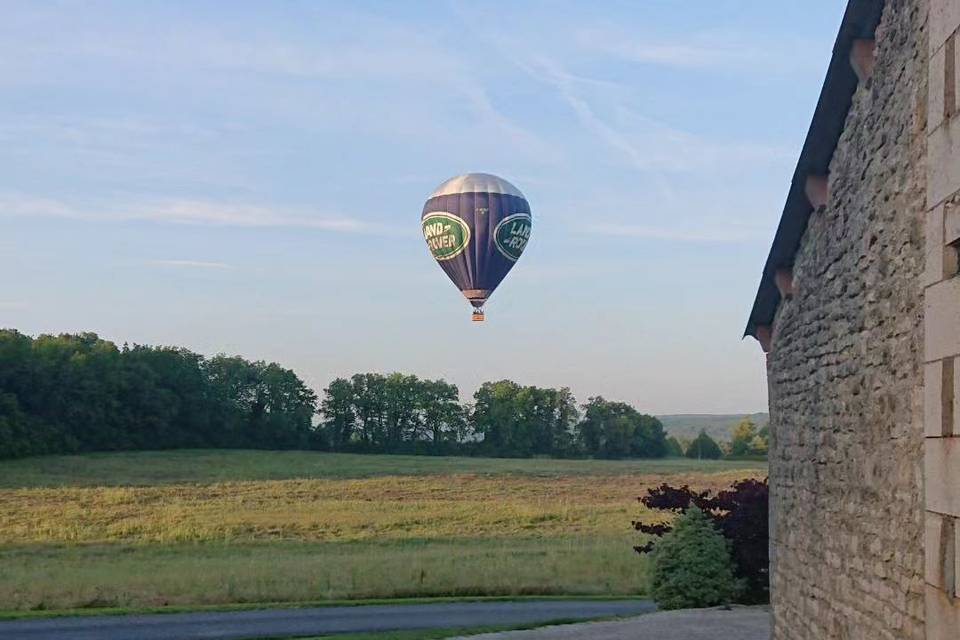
{"x":738,"y":623}
{"x":232,"y":625}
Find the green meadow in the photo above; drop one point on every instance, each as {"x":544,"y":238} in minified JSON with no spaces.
{"x":189,"y":528}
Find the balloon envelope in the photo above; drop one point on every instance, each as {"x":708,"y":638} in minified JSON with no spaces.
{"x":476,"y":227}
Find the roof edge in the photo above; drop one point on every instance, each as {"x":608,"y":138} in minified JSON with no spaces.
{"x":860,"y":20}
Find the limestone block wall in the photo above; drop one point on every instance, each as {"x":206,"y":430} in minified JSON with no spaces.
{"x":941,"y":370}
{"x":846,"y":367}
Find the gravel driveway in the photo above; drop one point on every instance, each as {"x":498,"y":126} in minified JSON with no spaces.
{"x":738,"y":623}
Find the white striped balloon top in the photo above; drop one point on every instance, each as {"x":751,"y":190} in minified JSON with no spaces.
{"x":476,"y":183}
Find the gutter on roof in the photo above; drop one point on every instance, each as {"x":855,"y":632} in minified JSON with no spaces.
{"x":860,"y":21}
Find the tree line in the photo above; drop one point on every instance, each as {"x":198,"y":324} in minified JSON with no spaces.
{"x":70,"y":393}
{"x":77,"y":392}
{"x":399,"y":413}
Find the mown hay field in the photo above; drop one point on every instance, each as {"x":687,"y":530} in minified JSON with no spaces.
{"x":217,"y":527}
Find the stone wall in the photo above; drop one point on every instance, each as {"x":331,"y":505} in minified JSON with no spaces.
{"x":846,"y":370}
{"x":942,"y":325}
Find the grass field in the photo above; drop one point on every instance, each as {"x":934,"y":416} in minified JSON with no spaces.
{"x":215,"y":527}
{"x":207,"y":466}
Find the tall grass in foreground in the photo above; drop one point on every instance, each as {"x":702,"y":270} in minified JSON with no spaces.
{"x":206,"y":527}
{"x":41,"y":578}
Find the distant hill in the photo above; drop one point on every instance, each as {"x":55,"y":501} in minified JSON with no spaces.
{"x":718,"y":426}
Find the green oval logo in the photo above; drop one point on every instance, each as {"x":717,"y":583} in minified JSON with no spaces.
{"x":446,"y":234}
{"x":512,"y":235}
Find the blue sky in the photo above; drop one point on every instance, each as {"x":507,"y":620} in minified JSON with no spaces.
{"x":248,"y":178}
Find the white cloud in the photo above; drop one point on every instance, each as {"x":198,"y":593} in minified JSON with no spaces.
{"x":183,"y":211}
{"x":721,"y":50}
{"x":648,"y":144}
{"x":607,"y":111}
{"x":240,"y":215}
{"x":376,"y":49}
{"x":439,"y":88}
{"x":697,"y":236}
{"x":190,"y":264}
{"x":564,"y":83}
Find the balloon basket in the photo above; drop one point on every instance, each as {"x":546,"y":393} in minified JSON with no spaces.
{"x":477,"y":315}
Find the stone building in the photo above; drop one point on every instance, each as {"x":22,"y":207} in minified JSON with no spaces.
{"x":858,"y":310}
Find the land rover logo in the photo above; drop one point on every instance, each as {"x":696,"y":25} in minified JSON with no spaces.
{"x":446,"y":235}
{"x":512,"y":233}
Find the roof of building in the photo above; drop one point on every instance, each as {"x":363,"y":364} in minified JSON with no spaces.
{"x":860,"y":21}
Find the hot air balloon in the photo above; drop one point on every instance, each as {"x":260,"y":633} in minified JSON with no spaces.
{"x":476,"y":226}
